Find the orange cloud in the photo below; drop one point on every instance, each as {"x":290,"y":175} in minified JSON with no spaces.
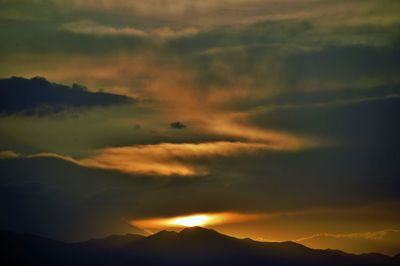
{"x":167,"y":158}
{"x":163,"y":159}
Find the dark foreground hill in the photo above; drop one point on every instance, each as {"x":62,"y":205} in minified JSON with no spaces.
{"x":191,"y":246}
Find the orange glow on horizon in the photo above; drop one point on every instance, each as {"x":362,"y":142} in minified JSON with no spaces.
{"x":194,"y":220}
{"x":201,"y":219}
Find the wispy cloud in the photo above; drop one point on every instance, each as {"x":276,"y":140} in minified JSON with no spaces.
{"x":8,"y":155}
{"x":385,"y":241}
{"x":164,"y":159}
{"x":211,"y":12}
{"x":91,"y":28}
{"x":168,"y":158}
{"x":88,"y":27}
{"x":168,"y":32}
{"x":375,"y":235}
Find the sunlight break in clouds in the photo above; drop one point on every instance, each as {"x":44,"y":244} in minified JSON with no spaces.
{"x":200,"y":219}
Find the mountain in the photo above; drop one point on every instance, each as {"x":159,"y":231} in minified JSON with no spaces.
{"x":191,"y":246}
{"x":110,"y":242}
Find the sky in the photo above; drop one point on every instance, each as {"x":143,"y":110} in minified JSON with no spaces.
{"x":275,"y":120}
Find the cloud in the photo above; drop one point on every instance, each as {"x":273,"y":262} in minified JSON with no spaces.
{"x":376,"y":235}
{"x":163,"y":159}
{"x":258,"y":82}
{"x":88,"y":27}
{"x":383,"y":241}
{"x":39,"y":96}
{"x":168,"y":158}
{"x":297,"y":99}
{"x":114,"y":199}
{"x":167,"y":32}
{"x":344,"y":122}
{"x":177,"y":125}
{"x":338,"y":67}
{"x":91,"y":28}
{"x":228,"y":12}
{"x":8,"y":155}
{"x":70,"y":219}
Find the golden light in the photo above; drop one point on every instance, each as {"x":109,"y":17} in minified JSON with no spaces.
{"x":189,"y":221}
{"x":200,"y":219}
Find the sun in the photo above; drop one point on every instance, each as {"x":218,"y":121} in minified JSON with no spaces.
{"x":190,"y":221}
{"x":195,"y":219}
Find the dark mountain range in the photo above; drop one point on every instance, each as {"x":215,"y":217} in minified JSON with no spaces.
{"x":191,"y":246}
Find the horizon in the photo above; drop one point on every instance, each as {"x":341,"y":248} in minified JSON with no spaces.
{"x":194,"y":243}
{"x":189,"y":229}
{"x":262,"y":119}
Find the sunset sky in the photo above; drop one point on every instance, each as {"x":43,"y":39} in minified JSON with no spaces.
{"x":271,"y":119}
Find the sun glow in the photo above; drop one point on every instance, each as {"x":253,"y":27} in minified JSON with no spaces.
{"x":200,"y":219}
{"x":189,"y":221}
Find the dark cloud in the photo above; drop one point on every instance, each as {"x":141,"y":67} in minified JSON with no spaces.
{"x":343,"y":65}
{"x":50,"y":212}
{"x":323,"y":97}
{"x":368,"y":124}
{"x":326,"y":96}
{"x":43,"y":37}
{"x":58,"y":199}
{"x":177,"y":125}
{"x":265,"y":32}
{"x":267,"y":183}
{"x":290,"y":55}
{"x":39,"y":96}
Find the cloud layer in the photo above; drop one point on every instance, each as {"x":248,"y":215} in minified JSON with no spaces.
{"x":291,"y":110}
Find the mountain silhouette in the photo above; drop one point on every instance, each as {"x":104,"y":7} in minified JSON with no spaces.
{"x":191,"y":246}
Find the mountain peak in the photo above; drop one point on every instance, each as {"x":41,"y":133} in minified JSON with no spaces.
{"x":202,"y":235}
{"x":192,"y":229}
{"x":163,"y":234}
{"x":199,"y":231}
{"x":112,"y":240}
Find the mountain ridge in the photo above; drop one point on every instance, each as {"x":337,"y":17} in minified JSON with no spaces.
{"x":190,"y":246}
